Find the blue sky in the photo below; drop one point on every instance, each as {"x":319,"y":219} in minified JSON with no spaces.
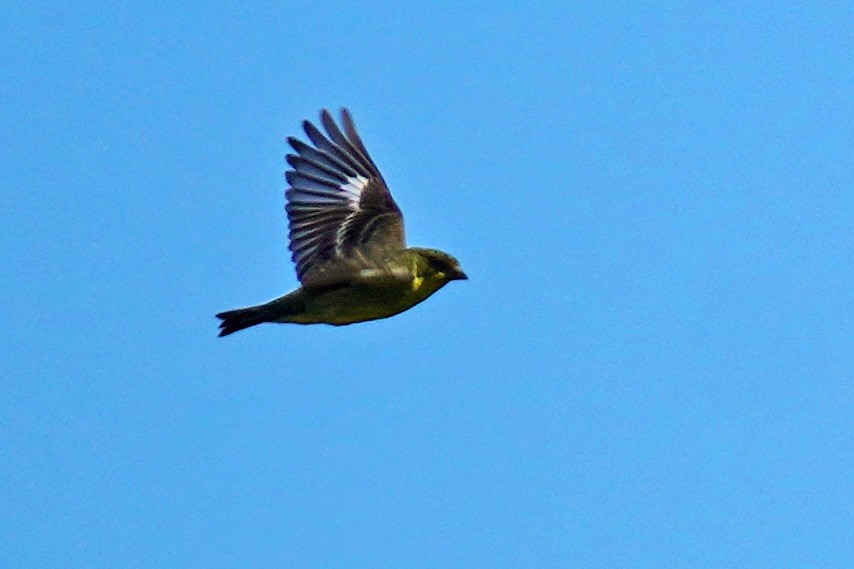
{"x":651,"y":365}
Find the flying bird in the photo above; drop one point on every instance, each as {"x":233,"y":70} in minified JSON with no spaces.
{"x":346,"y":238}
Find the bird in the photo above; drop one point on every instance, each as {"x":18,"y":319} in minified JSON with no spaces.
{"x":346,"y":238}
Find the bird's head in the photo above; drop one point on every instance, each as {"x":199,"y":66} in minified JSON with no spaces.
{"x":441,"y":266}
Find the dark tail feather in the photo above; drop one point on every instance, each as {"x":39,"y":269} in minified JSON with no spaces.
{"x":236,"y":320}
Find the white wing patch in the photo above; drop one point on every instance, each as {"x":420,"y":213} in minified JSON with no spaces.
{"x":352,"y":189}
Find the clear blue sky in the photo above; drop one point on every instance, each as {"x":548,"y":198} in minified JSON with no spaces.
{"x":651,"y":365}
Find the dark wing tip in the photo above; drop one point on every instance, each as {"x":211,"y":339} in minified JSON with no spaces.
{"x":347,"y":119}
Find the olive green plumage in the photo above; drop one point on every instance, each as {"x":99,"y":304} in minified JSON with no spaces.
{"x":347,"y":239}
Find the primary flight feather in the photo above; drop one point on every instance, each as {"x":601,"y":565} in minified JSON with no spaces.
{"x":347,"y":239}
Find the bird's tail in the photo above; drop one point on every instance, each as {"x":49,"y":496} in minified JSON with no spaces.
{"x":236,"y":320}
{"x":278,"y":310}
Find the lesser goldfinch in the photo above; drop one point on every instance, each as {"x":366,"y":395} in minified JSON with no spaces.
{"x":347,"y":239}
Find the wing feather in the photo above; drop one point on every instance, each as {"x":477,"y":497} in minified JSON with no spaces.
{"x":342,"y":217}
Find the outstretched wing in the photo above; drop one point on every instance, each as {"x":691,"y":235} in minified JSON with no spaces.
{"x":341,"y":215}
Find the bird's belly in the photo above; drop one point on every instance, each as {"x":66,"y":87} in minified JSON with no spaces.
{"x":361,"y":303}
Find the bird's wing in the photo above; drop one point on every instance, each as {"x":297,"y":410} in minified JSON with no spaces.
{"x":341,"y":215}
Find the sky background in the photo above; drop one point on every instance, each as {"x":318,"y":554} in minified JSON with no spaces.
{"x":650,"y":366}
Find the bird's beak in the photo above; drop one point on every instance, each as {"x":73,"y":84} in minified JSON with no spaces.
{"x":459,"y":276}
